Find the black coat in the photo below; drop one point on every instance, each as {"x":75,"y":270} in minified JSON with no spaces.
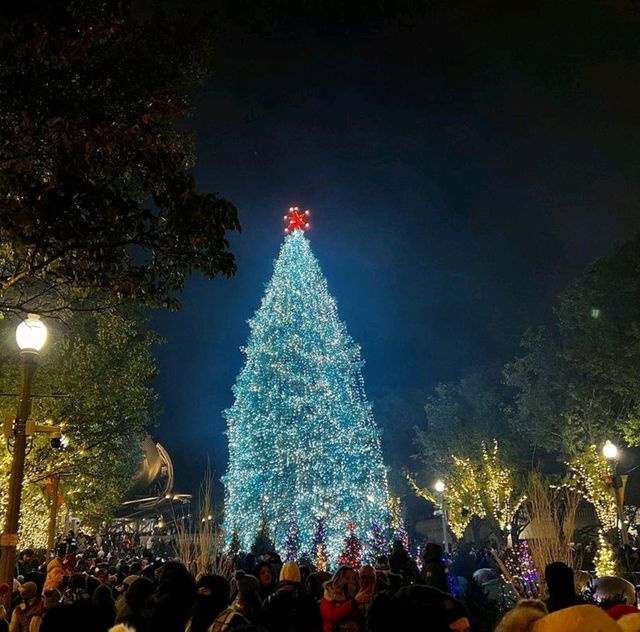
{"x":290,"y":609}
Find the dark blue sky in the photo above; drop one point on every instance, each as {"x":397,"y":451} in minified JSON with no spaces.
{"x":462,"y":164}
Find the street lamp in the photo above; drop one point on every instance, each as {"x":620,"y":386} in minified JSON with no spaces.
{"x":31,"y":334}
{"x":440,"y":487}
{"x":610,"y":452}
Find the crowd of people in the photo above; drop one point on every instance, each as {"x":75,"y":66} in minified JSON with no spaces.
{"x":121,"y":586}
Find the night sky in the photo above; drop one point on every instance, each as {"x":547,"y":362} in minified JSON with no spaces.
{"x":462,"y":163}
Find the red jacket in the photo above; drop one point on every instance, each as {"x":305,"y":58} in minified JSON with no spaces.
{"x":334,"y":613}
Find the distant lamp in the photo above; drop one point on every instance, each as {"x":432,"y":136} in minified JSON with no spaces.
{"x":440,"y":487}
{"x":31,"y":334}
{"x":595,"y":313}
{"x":609,"y":450}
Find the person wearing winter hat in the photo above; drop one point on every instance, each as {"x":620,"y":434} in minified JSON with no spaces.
{"x":30,"y":606}
{"x":290,"y":608}
{"x":585,"y":618}
{"x":523,"y":616}
{"x":173,"y":599}
{"x":211,"y":600}
{"x":246,"y":608}
{"x":51,"y":600}
{"x":55,"y":574}
{"x":134,"y":612}
{"x":105,"y":605}
{"x":264,"y":573}
{"x":122,"y":589}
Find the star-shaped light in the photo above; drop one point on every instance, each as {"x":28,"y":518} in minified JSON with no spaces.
{"x":296,"y":220}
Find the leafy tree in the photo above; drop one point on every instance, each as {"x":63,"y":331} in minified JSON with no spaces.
{"x":103,"y":364}
{"x":462,"y":415}
{"x":97,"y":204}
{"x":481,"y":486}
{"x":578,"y":382}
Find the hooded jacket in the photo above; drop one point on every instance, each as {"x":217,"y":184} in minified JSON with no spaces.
{"x":434,"y":572}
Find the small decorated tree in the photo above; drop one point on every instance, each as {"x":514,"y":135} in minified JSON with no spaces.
{"x":234,"y":545}
{"x":321,"y":559}
{"x":352,"y":553}
{"x":292,"y":541}
{"x":263,"y":542}
{"x":377,"y":545}
{"x":319,"y":546}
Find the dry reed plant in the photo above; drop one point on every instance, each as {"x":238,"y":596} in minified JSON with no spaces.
{"x":551,"y":512}
{"x":201,"y":547}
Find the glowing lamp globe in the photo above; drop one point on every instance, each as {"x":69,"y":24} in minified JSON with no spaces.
{"x":609,"y":450}
{"x":439,"y":486}
{"x":31,"y":334}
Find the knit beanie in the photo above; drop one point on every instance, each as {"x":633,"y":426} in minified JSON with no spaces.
{"x":28,"y":590}
{"x":51,"y":598}
{"x":290,"y":572}
{"x":522,"y":617}
{"x":585,"y":618}
{"x":629,"y":623}
{"x":247,"y":585}
{"x":621,"y":609}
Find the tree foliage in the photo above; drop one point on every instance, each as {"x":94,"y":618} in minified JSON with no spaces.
{"x":97,"y":204}
{"x":578,"y":382}
{"x":482,"y":485}
{"x":103,"y":364}
{"x":462,"y":415}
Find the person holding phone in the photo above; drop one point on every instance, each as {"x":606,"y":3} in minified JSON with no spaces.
{"x":344,"y":601}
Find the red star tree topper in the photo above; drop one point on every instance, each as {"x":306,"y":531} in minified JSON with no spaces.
{"x":296,"y":220}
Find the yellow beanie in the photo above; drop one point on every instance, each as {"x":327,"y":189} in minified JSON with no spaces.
{"x":629,"y":623}
{"x":577,"y":619}
{"x":290,"y":572}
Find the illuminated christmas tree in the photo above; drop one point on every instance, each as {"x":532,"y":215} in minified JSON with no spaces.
{"x":352,"y":553}
{"x":376,"y":544}
{"x":292,"y":541}
{"x":301,"y":433}
{"x":319,"y":551}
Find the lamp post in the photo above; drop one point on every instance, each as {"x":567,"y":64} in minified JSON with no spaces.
{"x":440,"y":487}
{"x":31,"y":334}
{"x":610,"y":452}
{"x":53,"y":512}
